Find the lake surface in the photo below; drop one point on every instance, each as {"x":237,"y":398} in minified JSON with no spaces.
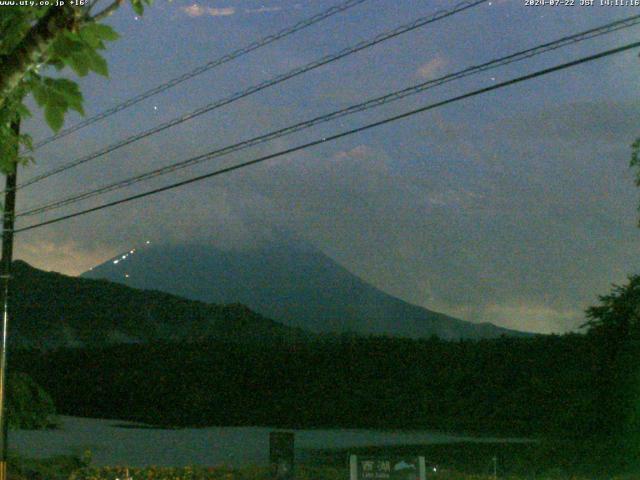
{"x":115,"y":442}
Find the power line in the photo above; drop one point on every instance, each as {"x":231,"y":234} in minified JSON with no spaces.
{"x":203,"y":68}
{"x":337,"y":136}
{"x":372,"y":103}
{"x":421,"y":22}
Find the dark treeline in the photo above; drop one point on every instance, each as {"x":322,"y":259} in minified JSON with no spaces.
{"x":540,"y":385}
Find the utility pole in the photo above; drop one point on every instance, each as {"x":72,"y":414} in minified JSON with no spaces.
{"x":5,"y":283}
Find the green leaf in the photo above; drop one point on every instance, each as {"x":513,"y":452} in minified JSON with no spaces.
{"x":105,"y":32}
{"x":66,"y":45}
{"x":79,"y":63}
{"x":98,"y":64}
{"x":137,"y":6}
{"x":27,"y":141}
{"x":40,"y":95}
{"x":54,"y":116}
{"x":23,"y":111}
{"x":94,"y":34}
{"x":26,"y":159}
{"x":88,"y":35}
{"x":69,"y":91}
{"x":8,"y":144}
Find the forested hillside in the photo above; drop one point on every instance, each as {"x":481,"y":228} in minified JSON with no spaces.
{"x":51,"y":310}
{"x":522,"y":386}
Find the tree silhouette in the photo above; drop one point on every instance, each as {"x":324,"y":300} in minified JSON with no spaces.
{"x":614,"y":327}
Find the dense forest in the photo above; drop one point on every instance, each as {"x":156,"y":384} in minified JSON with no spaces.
{"x":29,"y":406}
{"x":518,"y":386}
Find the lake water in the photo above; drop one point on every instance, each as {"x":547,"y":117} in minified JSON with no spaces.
{"x":111,"y":444}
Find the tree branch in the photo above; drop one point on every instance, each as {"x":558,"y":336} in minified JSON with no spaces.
{"x":107,"y":12}
{"x":30,"y":51}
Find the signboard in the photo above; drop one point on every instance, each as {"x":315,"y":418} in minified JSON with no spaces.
{"x":281,"y":455}
{"x":387,"y":468}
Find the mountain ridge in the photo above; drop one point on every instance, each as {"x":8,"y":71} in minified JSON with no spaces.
{"x":51,"y":310}
{"x":290,"y":282}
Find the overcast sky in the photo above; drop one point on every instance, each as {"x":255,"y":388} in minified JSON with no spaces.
{"x":516,"y":207}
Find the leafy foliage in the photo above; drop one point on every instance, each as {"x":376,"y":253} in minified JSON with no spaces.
{"x":614,"y":326}
{"x":56,"y":96}
{"x":635,"y":161}
{"x":78,"y":46}
{"x":14,"y":25}
{"x":28,"y":405}
{"x":59,"y":467}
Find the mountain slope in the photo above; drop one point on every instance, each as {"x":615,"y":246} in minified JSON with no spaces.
{"x":294,"y":284}
{"x":53,"y":310}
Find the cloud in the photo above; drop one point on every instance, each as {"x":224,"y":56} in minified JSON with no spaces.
{"x":432,"y":67}
{"x":195,"y":10}
{"x":221,"y":12}
{"x":58,"y":255}
{"x":520,"y":315}
{"x":263,"y":9}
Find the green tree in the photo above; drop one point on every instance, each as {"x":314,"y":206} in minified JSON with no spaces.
{"x":28,"y":405}
{"x":33,"y":39}
{"x":614,"y":325}
{"x":635,"y":162}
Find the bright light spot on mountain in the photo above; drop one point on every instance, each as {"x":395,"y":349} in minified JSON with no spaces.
{"x":126,"y":275}
{"x":116,"y":261}
{"x":147,"y":242}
